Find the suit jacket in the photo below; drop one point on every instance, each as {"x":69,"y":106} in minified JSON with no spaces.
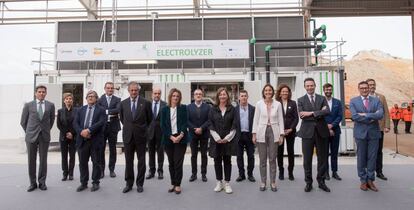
{"x":182,"y":125}
{"x":261,"y":119}
{"x":198,"y":121}
{"x":238,"y":126}
{"x":65,"y":124}
{"x":335,"y":117}
{"x":136,"y":127}
{"x":317,"y":120}
{"x":223,"y":126}
{"x":113,"y":109}
{"x":33,"y":125}
{"x":96,"y":129}
{"x":155,"y":123}
{"x":366,"y":126}
{"x":291,"y":116}
{"x":385,"y":121}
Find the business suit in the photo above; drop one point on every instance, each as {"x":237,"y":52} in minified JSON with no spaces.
{"x":112,"y":127}
{"x":134,"y":133}
{"x":154,"y":140}
{"x":334,"y":118}
{"x":90,"y":147}
{"x":37,"y":137}
{"x":245,"y":142}
{"x":290,"y":119}
{"x":314,"y":132}
{"x":64,"y":122}
{"x":366,"y":133}
{"x":383,"y":123}
{"x":198,"y":118}
{"x":175,"y":151}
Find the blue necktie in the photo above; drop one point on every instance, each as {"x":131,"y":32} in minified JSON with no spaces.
{"x":88,"y":117}
{"x":154,"y":112}
{"x":133,"y":109}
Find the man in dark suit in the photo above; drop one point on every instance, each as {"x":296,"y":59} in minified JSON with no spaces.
{"x":37,"y":119}
{"x":333,"y":119}
{"x":112,"y":105}
{"x":366,"y":112}
{"x":89,"y":126}
{"x":198,"y":126}
{"x":244,"y":114}
{"x":154,"y":136}
{"x":136,"y":116}
{"x":313,"y":109}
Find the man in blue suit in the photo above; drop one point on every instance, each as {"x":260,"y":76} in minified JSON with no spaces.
{"x":89,"y":126}
{"x":333,"y":120}
{"x":366,"y":112}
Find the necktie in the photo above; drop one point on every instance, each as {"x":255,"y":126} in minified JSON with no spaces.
{"x":366,"y":103}
{"x":312,"y":101}
{"x":133,"y":109}
{"x":40,"y":110}
{"x":108,"y":100}
{"x":154,"y":111}
{"x":88,"y":117}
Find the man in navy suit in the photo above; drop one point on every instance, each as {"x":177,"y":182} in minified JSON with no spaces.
{"x":198,"y":127}
{"x":244,"y":116}
{"x":112,"y":105}
{"x":89,"y":126}
{"x":333,"y":120}
{"x":366,"y":112}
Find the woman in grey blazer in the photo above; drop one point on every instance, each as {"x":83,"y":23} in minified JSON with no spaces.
{"x":268,"y":131}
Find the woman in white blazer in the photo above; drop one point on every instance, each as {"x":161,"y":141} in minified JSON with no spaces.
{"x":268,"y":131}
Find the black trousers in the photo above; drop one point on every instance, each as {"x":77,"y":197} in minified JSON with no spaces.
{"x":321,"y":145}
{"x":379,"y":164}
{"x":290,"y":142}
{"x":155,"y":146}
{"x":138,"y":147}
{"x":112,"y":138}
{"x":395,"y":122}
{"x":32,"y":148}
{"x":198,"y":143}
{"x":219,"y":161}
{"x":407,"y":126}
{"x":68,"y":147}
{"x":245,"y":143}
{"x":86,"y":151}
{"x":175,"y":153}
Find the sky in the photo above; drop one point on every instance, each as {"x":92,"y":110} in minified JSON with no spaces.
{"x":388,"y":34}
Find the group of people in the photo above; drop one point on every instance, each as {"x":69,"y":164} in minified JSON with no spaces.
{"x":405,"y":115}
{"x":221,"y":130}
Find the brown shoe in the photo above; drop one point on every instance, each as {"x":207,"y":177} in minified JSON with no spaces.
{"x":372,"y":186}
{"x":364,"y":187}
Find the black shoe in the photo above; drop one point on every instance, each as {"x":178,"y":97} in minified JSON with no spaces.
{"x":140,"y":189}
{"x":291,"y":177}
{"x":160,"y":175}
{"x":274,"y":189}
{"x":95,"y":187}
{"x":42,"y":187}
{"x":327,"y":177}
{"x":281,"y":176}
{"x":70,"y":177}
{"x":336,"y":176}
{"x":204,"y":178}
{"x":240,"y":178}
{"x":102,"y":174}
{"x":251,"y":178}
{"x":150,"y":176}
{"x":171,"y":189}
{"x":31,"y":187}
{"x":193,"y":178}
{"x":127,"y":189}
{"x":81,"y":188}
{"x":112,"y":174}
{"x":65,"y":177}
{"x":308,"y":187}
{"x":381,"y":176}
{"x":323,"y":187}
{"x":262,"y":188}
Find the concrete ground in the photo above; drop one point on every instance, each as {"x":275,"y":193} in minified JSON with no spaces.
{"x":396,"y":193}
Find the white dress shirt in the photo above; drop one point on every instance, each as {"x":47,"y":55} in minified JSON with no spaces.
{"x":173,"y":117}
